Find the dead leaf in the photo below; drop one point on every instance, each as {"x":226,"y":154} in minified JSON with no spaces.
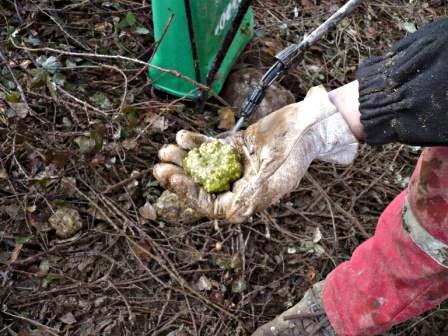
{"x":148,"y":212}
{"x":15,"y":253}
{"x":3,"y":174}
{"x":130,"y":144}
{"x":68,"y":318}
{"x":226,"y":118}
{"x":157,"y":122}
{"x":272,"y":46}
{"x":21,"y":109}
{"x":141,"y":250}
{"x":205,"y":284}
{"x":66,"y":221}
{"x":40,"y":221}
{"x":306,"y":4}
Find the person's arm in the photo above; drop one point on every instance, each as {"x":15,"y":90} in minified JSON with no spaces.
{"x":345,"y":99}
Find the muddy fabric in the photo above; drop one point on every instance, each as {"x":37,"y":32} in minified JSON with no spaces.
{"x":403,"y":95}
{"x":390,"y":279}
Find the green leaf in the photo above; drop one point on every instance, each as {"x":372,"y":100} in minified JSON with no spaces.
{"x":13,"y":97}
{"x":34,"y":41}
{"x":44,"y":267}
{"x":39,"y":79}
{"x":97,"y":135}
{"x":51,"y":64}
{"x":59,"y":79}
{"x":101,"y":100}
{"x":410,"y":27}
{"x":22,"y":239}
{"x":142,"y":31}
{"x":130,"y":19}
{"x":86,"y":144}
{"x":50,"y":278}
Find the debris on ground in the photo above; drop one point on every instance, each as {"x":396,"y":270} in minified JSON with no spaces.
{"x":80,"y":128}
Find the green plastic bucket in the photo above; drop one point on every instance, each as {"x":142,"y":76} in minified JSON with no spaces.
{"x":210,"y":23}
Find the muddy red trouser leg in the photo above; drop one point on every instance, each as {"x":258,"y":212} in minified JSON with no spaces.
{"x":402,"y":271}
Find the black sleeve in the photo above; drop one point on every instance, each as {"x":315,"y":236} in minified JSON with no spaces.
{"x":403,"y":95}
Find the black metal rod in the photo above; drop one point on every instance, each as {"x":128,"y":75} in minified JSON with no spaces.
{"x":194,"y":49}
{"x":286,"y":57}
{"x":242,"y":10}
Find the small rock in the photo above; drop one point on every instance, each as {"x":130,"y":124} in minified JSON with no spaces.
{"x":239,"y":85}
{"x":148,"y":212}
{"x":171,"y":210}
{"x":66,"y":221}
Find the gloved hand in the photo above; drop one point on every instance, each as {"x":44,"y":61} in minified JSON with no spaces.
{"x":403,"y":94}
{"x":276,"y":152}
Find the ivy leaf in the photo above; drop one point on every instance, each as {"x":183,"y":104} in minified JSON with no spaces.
{"x":101,"y":100}
{"x":13,"y":97}
{"x":39,"y":78}
{"x":51,"y":64}
{"x":59,"y":79}
{"x":128,"y":21}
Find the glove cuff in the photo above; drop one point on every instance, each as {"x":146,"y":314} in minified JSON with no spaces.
{"x":330,"y":134}
{"x":402,"y":94}
{"x":339,"y":145}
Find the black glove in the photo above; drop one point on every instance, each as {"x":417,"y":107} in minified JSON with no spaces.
{"x":403,"y":95}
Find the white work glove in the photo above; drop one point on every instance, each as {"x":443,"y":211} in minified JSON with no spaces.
{"x":276,"y":152}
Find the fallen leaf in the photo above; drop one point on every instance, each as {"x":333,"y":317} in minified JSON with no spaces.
{"x":85,"y":144}
{"x":317,"y":236}
{"x":99,"y":99}
{"x":226,"y":118}
{"x":44,"y":267}
{"x":3,"y":174}
{"x":142,"y":31}
{"x":141,"y":250}
{"x":239,"y":286}
{"x":157,"y":121}
{"x":21,"y":109}
{"x":15,"y":253}
{"x":68,"y":318}
{"x":66,"y":221}
{"x":130,"y":144}
{"x":307,"y":4}
{"x":51,"y":64}
{"x":204,"y":284}
{"x":148,"y":212}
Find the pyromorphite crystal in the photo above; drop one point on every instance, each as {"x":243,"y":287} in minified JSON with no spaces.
{"x":213,"y":165}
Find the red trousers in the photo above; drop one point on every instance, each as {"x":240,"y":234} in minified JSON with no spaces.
{"x":401,"y":271}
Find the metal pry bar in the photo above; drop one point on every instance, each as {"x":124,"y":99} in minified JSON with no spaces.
{"x":285,"y":58}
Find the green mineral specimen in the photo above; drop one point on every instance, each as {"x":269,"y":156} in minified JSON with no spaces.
{"x":213,"y":165}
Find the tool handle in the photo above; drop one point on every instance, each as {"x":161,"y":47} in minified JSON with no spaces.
{"x":285,"y":58}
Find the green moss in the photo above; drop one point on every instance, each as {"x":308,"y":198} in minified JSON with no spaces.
{"x":214,"y":166}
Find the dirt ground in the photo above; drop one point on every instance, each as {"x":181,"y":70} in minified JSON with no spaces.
{"x":79,"y":131}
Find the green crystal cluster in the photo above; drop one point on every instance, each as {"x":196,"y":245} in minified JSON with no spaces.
{"x":214,"y":166}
